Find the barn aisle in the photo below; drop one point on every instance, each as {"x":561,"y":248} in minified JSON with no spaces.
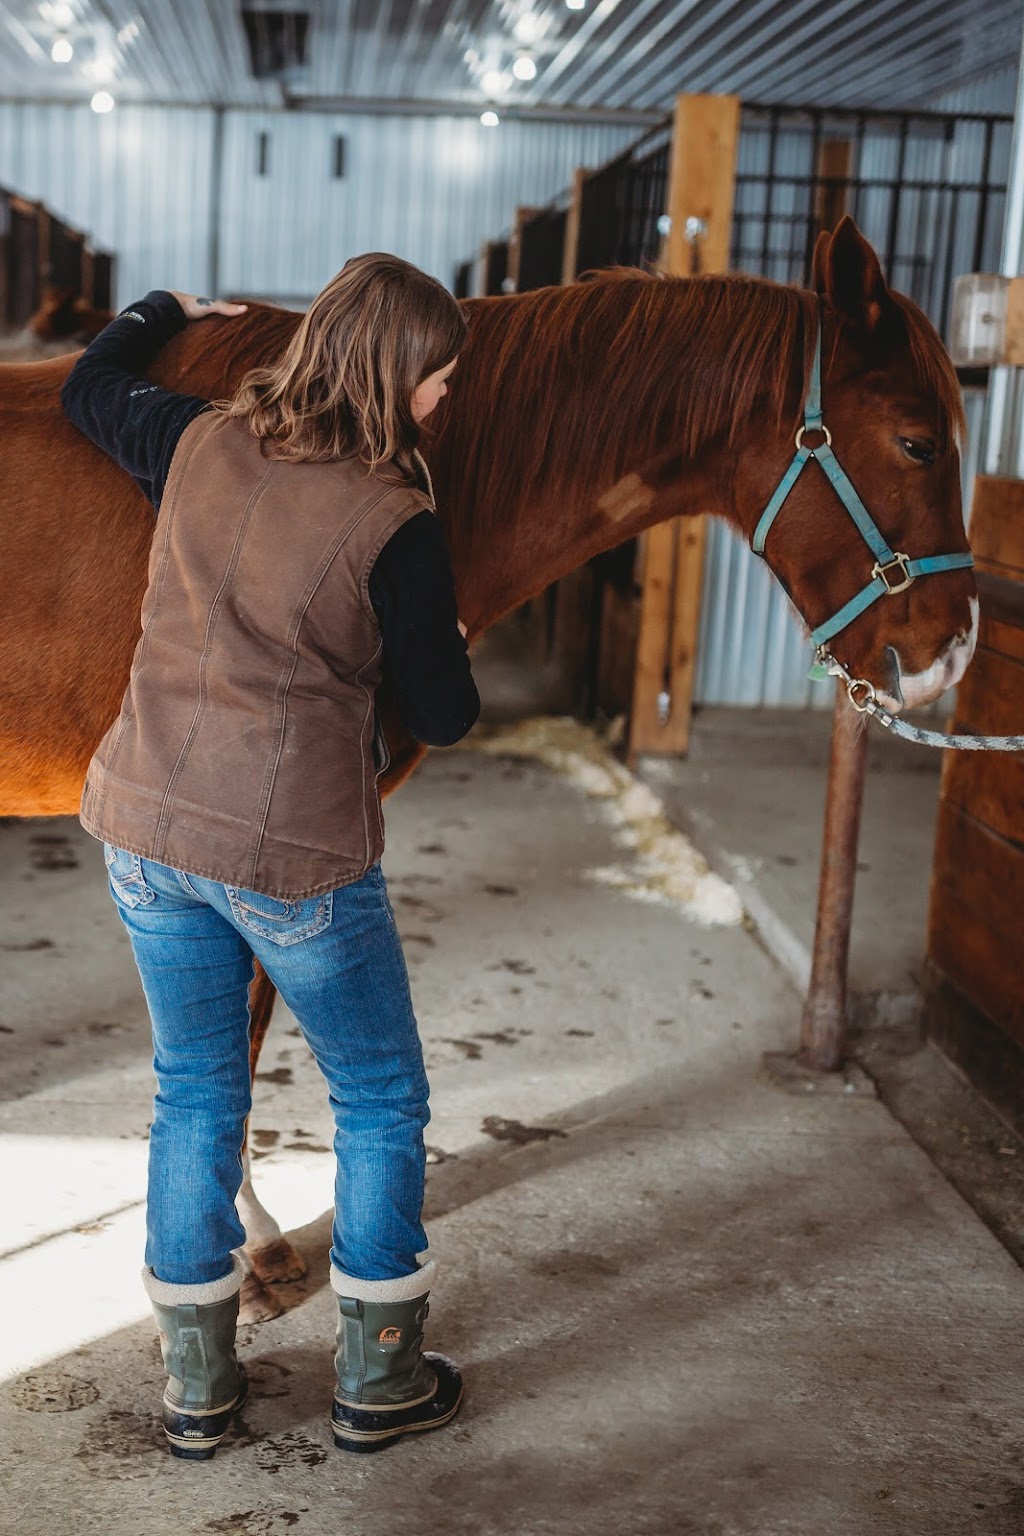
{"x":684,"y":1301}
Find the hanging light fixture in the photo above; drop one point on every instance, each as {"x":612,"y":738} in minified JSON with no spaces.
{"x":489,"y":119}
{"x":102,"y":102}
{"x":524,"y":68}
{"x":62,"y":51}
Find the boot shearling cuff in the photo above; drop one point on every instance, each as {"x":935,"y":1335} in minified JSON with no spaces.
{"x":405,"y":1288}
{"x":168,"y":1295}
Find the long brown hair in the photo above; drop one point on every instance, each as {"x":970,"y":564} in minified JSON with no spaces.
{"x":344,"y":385}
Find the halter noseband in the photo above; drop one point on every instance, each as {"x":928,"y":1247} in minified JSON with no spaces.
{"x":892,"y":571}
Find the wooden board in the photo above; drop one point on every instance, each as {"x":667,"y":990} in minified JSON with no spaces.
{"x":997,"y":525}
{"x":702,"y":173}
{"x":974,"y":919}
{"x":989,"y":786}
{"x":570,"y":251}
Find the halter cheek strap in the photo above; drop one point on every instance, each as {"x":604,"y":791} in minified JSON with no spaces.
{"x":892,"y":571}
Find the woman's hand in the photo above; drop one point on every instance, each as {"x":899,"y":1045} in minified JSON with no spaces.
{"x":199,"y":308}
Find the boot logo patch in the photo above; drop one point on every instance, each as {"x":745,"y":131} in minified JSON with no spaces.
{"x":390,"y":1336}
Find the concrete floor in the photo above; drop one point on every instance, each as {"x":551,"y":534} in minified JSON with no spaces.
{"x":685,"y":1302}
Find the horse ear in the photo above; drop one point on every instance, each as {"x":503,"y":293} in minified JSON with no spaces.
{"x":819,"y":281}
{"x":854,"y":284}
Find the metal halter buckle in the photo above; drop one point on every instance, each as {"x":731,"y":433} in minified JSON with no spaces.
{"x":898,"y":562}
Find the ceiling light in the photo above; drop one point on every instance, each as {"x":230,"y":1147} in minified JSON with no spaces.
{"x":489,"y":119}
{"x":62,"y":51}
{"x":524,"y":69}
{"x":527,"y":29}
{"x":492,"y":81}
{"x":102,"y":102}
{"x":59,"y":14}
{"x":576,"y":5}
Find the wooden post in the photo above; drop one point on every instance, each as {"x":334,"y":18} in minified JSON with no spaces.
{"x":835,"y":160}
{"x":570,"y":251}
{"x":702,"y":170}
{"x":515,"y":243}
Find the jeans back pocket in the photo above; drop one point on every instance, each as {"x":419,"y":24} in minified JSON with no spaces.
{"x":282,"y":922}
{"x":127,"y":882}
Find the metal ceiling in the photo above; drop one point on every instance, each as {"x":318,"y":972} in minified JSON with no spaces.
{"x":612,"y":57}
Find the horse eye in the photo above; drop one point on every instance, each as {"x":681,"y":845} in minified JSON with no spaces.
{"x":920,"y":449}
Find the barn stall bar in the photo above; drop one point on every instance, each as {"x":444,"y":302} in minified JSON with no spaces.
{"x":688,"y":614}
{"x":811,"y":1329}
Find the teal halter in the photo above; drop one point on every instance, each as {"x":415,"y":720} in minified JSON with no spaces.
{"x":892,"y":572}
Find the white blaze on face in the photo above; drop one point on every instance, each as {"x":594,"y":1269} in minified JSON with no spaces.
{"x":947,"y":669}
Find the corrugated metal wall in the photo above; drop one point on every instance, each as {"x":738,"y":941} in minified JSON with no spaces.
{"x":139,"y":180}
{"x":995,"y":92}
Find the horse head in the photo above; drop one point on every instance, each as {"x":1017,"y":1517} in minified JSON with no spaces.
{"x":893,"y":412}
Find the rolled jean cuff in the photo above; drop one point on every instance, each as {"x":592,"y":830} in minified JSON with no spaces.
{"x":166,"y":1294}
{"x":405,"y":1288}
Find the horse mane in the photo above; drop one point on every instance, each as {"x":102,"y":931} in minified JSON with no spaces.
{"x":588,"y":373}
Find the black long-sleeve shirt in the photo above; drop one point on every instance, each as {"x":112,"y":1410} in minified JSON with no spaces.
{"x":108,"y":398}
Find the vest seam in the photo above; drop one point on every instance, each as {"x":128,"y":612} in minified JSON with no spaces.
{"x":165,"y":554}
{"x":211,"y":624}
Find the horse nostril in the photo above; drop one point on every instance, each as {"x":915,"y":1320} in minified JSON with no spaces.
{"x":892,"y":675}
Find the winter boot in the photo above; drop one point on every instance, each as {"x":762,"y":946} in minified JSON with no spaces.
{"x":386,"y":1386}
{"x":197,"y":1339}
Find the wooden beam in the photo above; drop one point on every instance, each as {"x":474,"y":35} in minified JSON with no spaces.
{"x":835,"y":162}
{"x":702,"y":171}
{"x":515,"y":243}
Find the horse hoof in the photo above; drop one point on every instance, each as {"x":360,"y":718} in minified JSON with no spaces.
{"x":255,"y":1303}
{"x":277,"y":1262}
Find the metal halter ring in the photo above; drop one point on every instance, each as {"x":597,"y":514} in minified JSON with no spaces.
{"x":805,"y":428}
{"x":853,"y":686}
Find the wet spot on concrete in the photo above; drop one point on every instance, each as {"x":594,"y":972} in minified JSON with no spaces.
{"x":102,"y":1027}
{"x":439,"y":1155}
{"x":498,"y":1037}
{"x":514,"y":1131}
{"x":295,"y":1033}
{"x":27,"y":948}
{"x":304,"y":1146}
{"x":517,"y":967}
{"x":501,"y":890}
{"x":298,"y":1132}
{"x":256,"y":1522}
{"x":786,"y":858}
{"x":51,"y":1040}
{"x":581,"y":1033}
{"x":268,"y":1377}
{"x":700,"y":989}
{"x":282,"y":1076}
{"x":426,"y":939}
{"x":432,"y":848}
{"x":5,"y":1029}
{"x":51,"y":850}
{"x":263,"y":1138}
{"x":289,"y":1450}
{"x":663,"y":1022}
{"x":53,"y":1392}
{"x":113,"y":1448}
{"x":469,"y":1048}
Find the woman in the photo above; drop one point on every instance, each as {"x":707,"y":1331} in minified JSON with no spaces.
{"x":296,"y":555}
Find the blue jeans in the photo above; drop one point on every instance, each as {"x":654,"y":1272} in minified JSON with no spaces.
{"x":337,"y":961}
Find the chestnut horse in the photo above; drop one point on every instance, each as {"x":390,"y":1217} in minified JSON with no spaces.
{"x":579,"y":417}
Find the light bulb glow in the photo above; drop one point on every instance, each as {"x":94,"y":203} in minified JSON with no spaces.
{"x":492,"y":81}
{"x":62,"y":51}
{"x":524,"y":69}
{"x":575,"y":5}
{"x":527,"y":28}
{"x":489,"y":119}
{"x":102,"y":102}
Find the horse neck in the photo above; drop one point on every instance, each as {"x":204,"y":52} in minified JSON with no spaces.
{"x":547,"y":458}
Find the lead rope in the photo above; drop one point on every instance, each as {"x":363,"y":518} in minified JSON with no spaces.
{"x":861,"y":695}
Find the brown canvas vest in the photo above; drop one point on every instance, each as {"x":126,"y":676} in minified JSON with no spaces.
{"x":247,"y":749}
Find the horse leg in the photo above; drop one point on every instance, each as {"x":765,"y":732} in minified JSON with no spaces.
{"x":271,"y":1255}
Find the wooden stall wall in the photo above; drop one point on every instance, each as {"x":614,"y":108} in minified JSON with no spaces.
{"x":975,"y":987}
